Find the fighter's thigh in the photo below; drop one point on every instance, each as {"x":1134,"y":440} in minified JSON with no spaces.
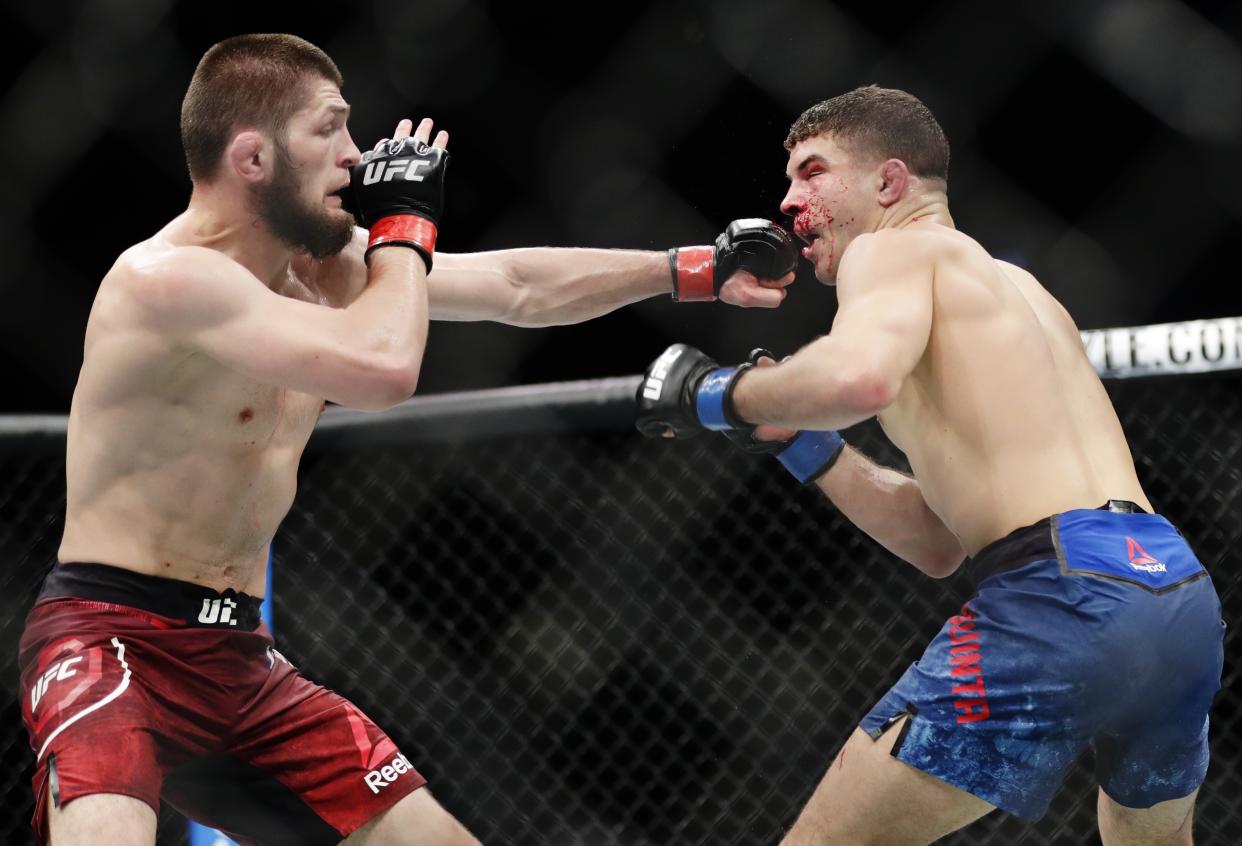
{"x":102,"y":818}
{"x":1163,"y":824}
{"x":417,"y":820}
{"x":870,"y":797}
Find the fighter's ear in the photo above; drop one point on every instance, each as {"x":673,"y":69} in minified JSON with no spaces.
{"x":249,"y":155}
{"x":894,"y":177}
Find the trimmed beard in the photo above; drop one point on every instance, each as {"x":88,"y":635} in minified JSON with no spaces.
{"x":321,"y":232}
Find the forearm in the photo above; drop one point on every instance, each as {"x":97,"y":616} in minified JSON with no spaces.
{"x":544,"y":286}
{"x":889,"y":507}
{"x":821,"y":387}
{"x":389,"y":317}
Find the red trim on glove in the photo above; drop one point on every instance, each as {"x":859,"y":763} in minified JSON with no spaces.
{"x":405,"y":229}
{"x":695,"y":271}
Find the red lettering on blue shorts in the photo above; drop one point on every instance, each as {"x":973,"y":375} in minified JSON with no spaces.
{"x":965,"y":663}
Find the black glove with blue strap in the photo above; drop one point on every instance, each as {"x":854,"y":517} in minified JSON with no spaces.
{"x":686,"y":392}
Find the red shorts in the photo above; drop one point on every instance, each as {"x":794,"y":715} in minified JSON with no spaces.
{"x":151,"y":688}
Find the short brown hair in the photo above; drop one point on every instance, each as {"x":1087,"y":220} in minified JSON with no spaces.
{"x":885,"y":122}
{"x":247,"y":80}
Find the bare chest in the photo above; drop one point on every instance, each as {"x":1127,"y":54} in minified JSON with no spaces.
{"x":230,"y":410}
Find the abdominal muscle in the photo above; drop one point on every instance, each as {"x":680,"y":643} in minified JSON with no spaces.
{"x":189,"y":482}
{"x":211,"y":526}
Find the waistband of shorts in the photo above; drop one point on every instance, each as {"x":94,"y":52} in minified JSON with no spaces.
{"x":1030,"y":543}
{"x":193,"y":604}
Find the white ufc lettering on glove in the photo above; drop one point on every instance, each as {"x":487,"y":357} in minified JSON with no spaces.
{"x":387,"y":171}
{"x":654,"y":385}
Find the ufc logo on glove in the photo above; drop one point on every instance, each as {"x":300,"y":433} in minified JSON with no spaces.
{"x":654,"y":385}
{"x":388,"y":170}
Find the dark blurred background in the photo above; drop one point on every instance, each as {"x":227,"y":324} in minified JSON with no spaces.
{"x":1096,"y":143}
{"x":586,"y":637}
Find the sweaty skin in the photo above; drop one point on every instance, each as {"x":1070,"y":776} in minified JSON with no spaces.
{"x":177,"y":465}
{"x":974,"y":371}
{"x":195,"y":401}
{"x":209,"y":352}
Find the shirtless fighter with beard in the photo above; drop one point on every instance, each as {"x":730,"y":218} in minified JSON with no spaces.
{"x":210,"y":349}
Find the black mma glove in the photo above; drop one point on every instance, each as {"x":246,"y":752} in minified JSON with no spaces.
{"x":753,"y":244}
{"x":688,"y":392}
{"x":397,"y":192}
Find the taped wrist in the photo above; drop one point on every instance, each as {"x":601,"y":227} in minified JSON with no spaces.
{"x":694,"y":274}
{"x":809,"y":455}
{"x":404,"y":230}
{"x":713,"y":399}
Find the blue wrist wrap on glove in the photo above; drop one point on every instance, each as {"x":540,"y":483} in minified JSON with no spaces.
{"x":709,"y":399}
{"x":810,"y":454}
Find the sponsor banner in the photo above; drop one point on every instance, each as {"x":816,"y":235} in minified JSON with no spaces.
{"x":1194,"y":346}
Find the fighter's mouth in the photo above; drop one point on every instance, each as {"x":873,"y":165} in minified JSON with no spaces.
{"x":807,"y":236}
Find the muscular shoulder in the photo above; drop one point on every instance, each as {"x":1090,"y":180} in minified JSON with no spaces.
{"x":164,"y":286}
{"x":1047,"y":307}
{"x":890,"y":248}
{"x":891,"y":257}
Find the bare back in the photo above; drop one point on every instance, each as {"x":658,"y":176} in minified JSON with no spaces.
{"x":177,"y":465}
{"x":1004,"y":420}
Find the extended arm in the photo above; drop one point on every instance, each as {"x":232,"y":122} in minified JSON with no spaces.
{"x":749,"y":265}
{"x":546,"y":286}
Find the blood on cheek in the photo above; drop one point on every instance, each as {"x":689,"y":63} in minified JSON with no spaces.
{"x":817,"y":217}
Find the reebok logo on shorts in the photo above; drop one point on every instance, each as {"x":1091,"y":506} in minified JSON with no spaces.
{"x":380,"y":778}
{"x":1140,"y":560}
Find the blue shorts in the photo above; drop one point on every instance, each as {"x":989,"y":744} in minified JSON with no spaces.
{"x":1088,"y":628}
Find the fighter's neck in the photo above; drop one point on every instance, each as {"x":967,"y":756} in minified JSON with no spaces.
{"x":926,"y":206}
{"x":228,"y":224}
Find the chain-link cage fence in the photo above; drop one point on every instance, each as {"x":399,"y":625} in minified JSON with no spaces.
{"x":585,"y":637}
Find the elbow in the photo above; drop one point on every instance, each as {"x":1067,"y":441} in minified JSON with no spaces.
{"x":940,"y":564}
{"x":387,"y":382}
{"x":867,"y":392}
{"x":398,"y":382}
